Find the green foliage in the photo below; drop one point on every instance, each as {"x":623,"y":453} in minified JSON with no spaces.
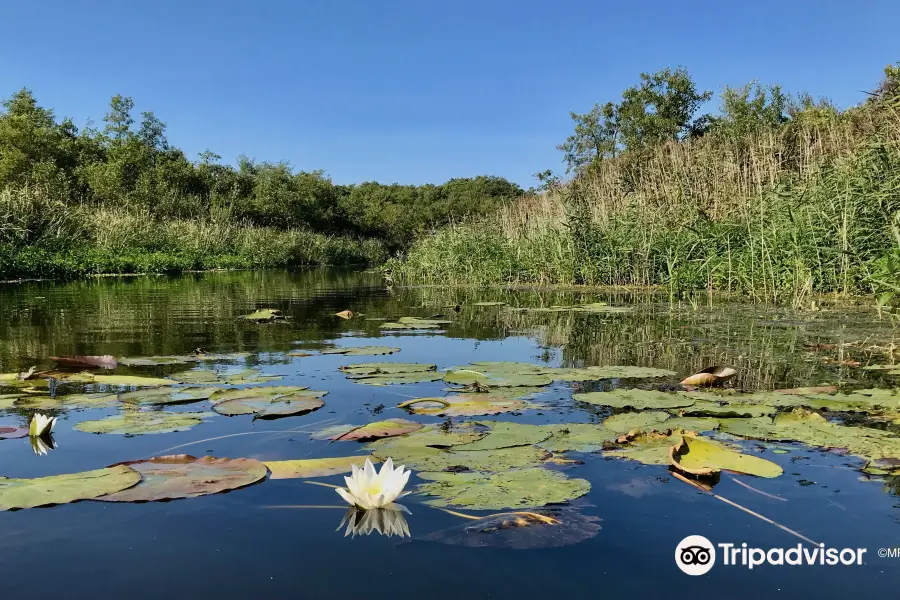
{"x":661,"y":108}
{"x":747,"y":109}
{"x":596,"y":136}
{"x":122,"y":199}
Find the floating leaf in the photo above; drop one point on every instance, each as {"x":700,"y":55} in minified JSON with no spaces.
{"x":805,"y":391}
{"x":344,"y":314}
{"x":710,"y":376}
{"x":12,"y":433}
{"x":379,"y":429}
{"x":86,"y":362}
{"x":521,"y":530}
{"x":489,"y":304}
{"x":415,"y":323}
{"x":705,"y":408}
{"x":503,"y":434}
{"x":432,"y":436}
{"x":197,"y":377}
{"x":72,"y":401}
{"x":602,"y":307}
{"x":139,"y":423}
{"x":704,"y":458}
{"x":625,"y":422}
{"x":315,"y":467}
{"x":647,"y":447}
{"x":610,"y":372}
{"x":579,"y":437}
{"x":522,"y":488}
{"x":62,"y":489}
{"x":162,"y":396}
{"x":155,"y":361}
{"x":423,"y":458}
{"x":266,"y":393}
{"x":463,"y":405}
{"x":283,"y":406}
{"x":495,"y":378}
{"x":635,"y":398}
{"x":185,"y":476}
{"x":264,"y":314}
{"x":362,"y":351}
{"x":389,"y":373}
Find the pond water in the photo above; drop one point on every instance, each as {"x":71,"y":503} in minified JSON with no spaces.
{"x":240,"y":543}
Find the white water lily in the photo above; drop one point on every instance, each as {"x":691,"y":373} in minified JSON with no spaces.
{"x":367,"y":489}
{"x":386,"y":521}
{"x":41,"y":425}
{"x":42,"y":445}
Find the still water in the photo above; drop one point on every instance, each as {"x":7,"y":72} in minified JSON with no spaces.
{"x":236,"y":544}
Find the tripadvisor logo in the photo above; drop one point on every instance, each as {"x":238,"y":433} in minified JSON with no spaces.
{"x":696,"y":555}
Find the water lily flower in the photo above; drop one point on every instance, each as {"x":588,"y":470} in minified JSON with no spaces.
{"x":41,"y":425}
{"x":386,"y":521}
{"x":367,"y":489}
{"x":42,"y":445}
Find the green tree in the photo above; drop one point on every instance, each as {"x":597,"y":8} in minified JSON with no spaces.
{"x":660,"y":109}
{"x":596,"y":137}
{"x":749,"y":108}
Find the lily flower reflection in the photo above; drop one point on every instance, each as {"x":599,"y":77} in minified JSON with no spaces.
{"x":387,"y":521}
{"x":41,"y":445}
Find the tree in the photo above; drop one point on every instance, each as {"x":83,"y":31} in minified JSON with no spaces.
{"x":660,"y":109}
{"x":596,"y":137}
{"x":749,"y":108}
{"x":118,"y":120}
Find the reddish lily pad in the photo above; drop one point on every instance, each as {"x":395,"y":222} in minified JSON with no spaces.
{"x":12,"y":433}
{"x":86,"y":362}
{"x":377,"y":430}
{"x":184,"y":476}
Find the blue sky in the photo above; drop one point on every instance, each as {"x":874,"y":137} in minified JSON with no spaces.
{"x":417,"y":90}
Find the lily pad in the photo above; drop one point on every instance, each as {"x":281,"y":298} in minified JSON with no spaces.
{"x":62,"y":489}
{"x":489,"y":304}
{"x":430,"y":436}
{"x":362,"y":351}
{"x":487,"y":461}
{"x":12,"y":433}
{"x":283,"y":406}
{"x":414,"y":323}
{"x":703,"y":408}
{"x":608,"y":372}
{"x":263,"y":315}
{"x":521,"y":530}
{"x":579,"y":437}
{"x":503,"y":434}
{"x":155,"y":361}
{"x":635,"y":398}
{"x":463,"y":405}
{"x":315,"y":467}
{"x":625,"y":422}
{"x":704,"y":458}
{"x":163,"y":396}
{"x":264,"y":393}
{"x":521,"y":488}
{"x":495,"y":377}
{"x":131,"y":381}
{"x":602,"y":307}
{"x":373,"y":431}
{"x":184,"y":476}
{"x":647,"y":447}
{"x":72,"y":401}
{"x":140,"y":423}
{"x":391,"y":373}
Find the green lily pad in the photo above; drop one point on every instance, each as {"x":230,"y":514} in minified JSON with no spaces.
{"x":72,"y":401}
{"x":264,"y":393}
{"x":264,"y":314}
{"x":736,"y":410}
{"x":283,"y":406}
{"x":140,"y":423}
{"x":373,"y":431}
{"x":408,"y":451}
{"x":647,"y":447}
{"x":362,"y":351}
{"x":602,"y":307}
{"x":579,"y":437}
{"x":430,"y":436}
{"x":503,"y":434}
{"x":521,"y":488}
{"x":131,"y":381}
{"x":155,"y":361}
{"x":639,"y":399}
{"x":390,"y":373}
{"x":415,"y":323}
{"x":610,"y":372}
{"x":62,"y":489}
{"x":463,"y":405}
{"x":185,"y":476}
{"x":315,"y":467}
{"x":704,"y":458}
{"x":495,"y":378}
{"x":625,"y":422}
{"x":162,"y":396}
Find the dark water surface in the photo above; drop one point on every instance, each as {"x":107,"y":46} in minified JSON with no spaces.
{"x":231,"y":545}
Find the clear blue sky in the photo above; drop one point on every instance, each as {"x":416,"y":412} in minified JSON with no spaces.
{"x":417,"y":90}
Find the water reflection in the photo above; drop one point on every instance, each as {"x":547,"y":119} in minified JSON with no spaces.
{"x":386,"y":521}
{"x":41,"y":445}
